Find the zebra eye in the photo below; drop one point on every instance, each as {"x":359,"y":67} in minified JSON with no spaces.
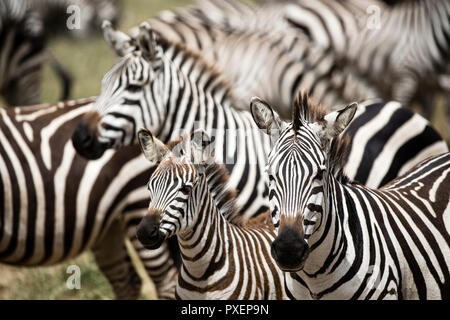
{"x":185,"y":189}
{"x":319,"y":175}
{"x":133,"y":88}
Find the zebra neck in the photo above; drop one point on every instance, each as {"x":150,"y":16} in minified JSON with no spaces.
{"x":203,"y":246}
{"x":193,"y":90}
{"x":333,"y":242}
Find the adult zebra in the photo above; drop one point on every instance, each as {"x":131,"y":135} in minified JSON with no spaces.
{"x":162,"y":86}
{"x":221,"y":258}
{"x":23,"y":52}
{"x":340,"y":240}
{"x":55,"y":204}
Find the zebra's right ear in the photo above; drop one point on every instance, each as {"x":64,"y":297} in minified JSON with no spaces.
{"x":152,"y":148}
{"x":117,"y":40}
{"x":265,"y":117}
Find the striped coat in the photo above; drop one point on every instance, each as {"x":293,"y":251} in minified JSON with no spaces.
{"x":56,"y":205}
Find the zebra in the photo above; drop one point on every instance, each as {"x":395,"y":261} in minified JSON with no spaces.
{"x":168,"y":89}
{"x":23,"y":52}
{"x":220,"y":259}
{"x":56,"y":205}
{"x":400,"y":59}
{"x":256,"y":64}
{"x":337,"y":239}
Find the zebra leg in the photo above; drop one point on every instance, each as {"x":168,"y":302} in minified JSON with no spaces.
{"x":159,"y":264}
{"x":115,"y":263}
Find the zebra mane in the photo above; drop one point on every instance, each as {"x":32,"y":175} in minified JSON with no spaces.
{"x":213,"y":71}
{"x":304,"y":110}
{"x":337,"y":156}
{"x":218,"y":177}
{"x":225,"y":198}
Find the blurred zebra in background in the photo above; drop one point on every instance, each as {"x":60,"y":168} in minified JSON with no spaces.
{"x":188,"y":191}
{"x":92,"y":13}
{"x":56,"y":205}
{"x":256,"y":64}
{"x":401,"y":49}
{"x":409,"y":50}
{"x":169,"y":89}
{"x":25,"y":27}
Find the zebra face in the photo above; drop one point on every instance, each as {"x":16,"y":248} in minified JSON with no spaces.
{"x":129,"y":95}
{"x":171,"y":186}
{"x":297,"y":174}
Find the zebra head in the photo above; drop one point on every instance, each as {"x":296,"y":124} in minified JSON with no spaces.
{"x":297,"y":168}
{"x":173,"y":183}
{"x":129,"y":97}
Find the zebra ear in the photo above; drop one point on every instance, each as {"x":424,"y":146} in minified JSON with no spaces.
{"x":200,"y":147}
{"x":335,"y":122}
{"x":265,"y":117}
{"x":117,"y":40}
{"x":152,"y":148}
{"x":147,"y":41}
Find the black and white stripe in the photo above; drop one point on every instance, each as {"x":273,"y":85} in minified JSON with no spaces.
{"x":56,"y":205}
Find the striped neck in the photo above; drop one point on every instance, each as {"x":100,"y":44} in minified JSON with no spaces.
{"x":335,"y":244}
{"x":203,"y":245}
{"x":191,"y":90}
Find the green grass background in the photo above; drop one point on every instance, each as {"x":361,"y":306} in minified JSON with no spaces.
{"x":87,"y":60}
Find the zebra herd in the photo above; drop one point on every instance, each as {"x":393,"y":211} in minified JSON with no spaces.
{"x":246,"y":152}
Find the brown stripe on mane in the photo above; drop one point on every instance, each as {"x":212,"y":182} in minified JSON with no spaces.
{"x":305,"y":110}
{"x":227,"y":204}
{"x":338,"y":151}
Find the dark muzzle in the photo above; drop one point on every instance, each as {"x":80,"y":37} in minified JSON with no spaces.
{"x":290,"y":250}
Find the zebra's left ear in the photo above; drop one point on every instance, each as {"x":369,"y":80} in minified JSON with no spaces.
{"x":147,"y":41}
{"x":152,"y":148}
{"x":335,"y":122}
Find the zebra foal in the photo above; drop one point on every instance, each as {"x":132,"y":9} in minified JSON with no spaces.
{"x":221,"y":259}
{"x":337,"y":239}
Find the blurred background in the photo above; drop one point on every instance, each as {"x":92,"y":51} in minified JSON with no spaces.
{"x":87,"y":60}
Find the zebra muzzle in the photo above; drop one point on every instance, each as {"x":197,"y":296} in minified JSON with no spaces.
{"x":290,"y":250}
{"x":148,"y":232}
{"x":84,"y":138}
